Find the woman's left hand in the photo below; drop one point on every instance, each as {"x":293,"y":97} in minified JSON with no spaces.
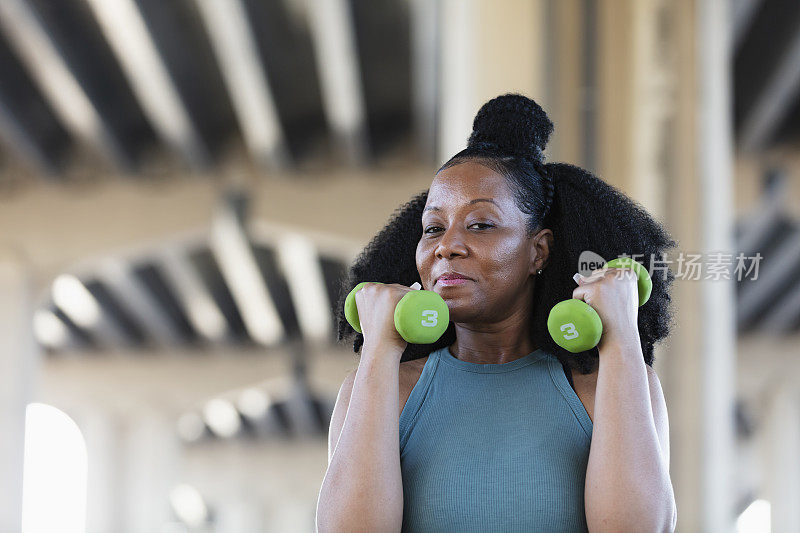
{"x":613,"y":293}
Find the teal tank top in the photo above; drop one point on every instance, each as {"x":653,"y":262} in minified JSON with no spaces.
{"x":493,"y":447}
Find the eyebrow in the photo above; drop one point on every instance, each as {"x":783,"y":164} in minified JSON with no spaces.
{"x":475,"y":201}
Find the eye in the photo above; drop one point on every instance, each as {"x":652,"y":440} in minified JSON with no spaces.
{"x":485,"y":225}
{"x":430,"y":228}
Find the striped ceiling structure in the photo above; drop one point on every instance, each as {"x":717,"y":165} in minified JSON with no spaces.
{"x":129,"y":85}
{"x":248,"y":286}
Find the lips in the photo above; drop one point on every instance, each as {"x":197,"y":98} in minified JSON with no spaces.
{"x":451,"y":276}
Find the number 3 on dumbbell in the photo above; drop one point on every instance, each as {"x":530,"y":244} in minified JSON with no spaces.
{"x":571,"y":331}
{"x":430,"y":318}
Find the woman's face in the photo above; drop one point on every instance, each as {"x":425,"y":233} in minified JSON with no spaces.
{"x":472,"y":226}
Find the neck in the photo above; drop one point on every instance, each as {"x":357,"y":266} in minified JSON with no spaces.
{"x":493,"y":343}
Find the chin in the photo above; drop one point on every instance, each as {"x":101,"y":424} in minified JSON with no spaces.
{"x":460,"y":311}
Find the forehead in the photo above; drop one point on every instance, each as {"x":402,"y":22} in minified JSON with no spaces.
{"x":465,"y":181}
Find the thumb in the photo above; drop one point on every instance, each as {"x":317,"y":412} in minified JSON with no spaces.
{"x":416,"y":286}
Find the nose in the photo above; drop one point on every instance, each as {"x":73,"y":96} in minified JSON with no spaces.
{"x":451,"y":244}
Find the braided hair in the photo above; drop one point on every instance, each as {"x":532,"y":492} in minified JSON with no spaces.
{"x":509,"y":135}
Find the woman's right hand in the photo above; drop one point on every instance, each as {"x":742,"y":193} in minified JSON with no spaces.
{"x":376,"y":303}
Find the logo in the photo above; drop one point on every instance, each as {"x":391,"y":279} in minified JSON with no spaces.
{"x":589,"y":261}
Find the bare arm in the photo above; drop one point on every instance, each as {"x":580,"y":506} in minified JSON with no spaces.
{"x":628,"y":487}
{"x":659,"y":406}
{"x":363,"y":487}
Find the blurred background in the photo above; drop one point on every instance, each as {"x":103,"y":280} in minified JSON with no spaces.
{"x":183,"y":184}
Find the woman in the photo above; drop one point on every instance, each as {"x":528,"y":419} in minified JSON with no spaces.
{"x":491,"y":428}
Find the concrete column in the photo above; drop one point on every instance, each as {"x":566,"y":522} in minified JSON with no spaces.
{"x":700,"y":377}
{"x":511,"y":44}
{"x":457,"y":64}
{"x":616,"y":104}
{"x":150,"y":464}
{"x":487,"y":49}
{"x":718,"y":338}
{"x":19,"y":358}
{"x":637,"y":97}
{"x":780,"y":446}
{"x":104,"y":438}
{"x":566,"y":82}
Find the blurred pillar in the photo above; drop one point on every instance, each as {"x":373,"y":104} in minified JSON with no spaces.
{"x":19,"y":356}
{"x":457,"y":96}
{"x":636,"y":87}
{"x":103,"y":438}
{"x":510,"y":49}
{"x":699,"y":378}
{"x":780,"y":446}
{"x":487,"y":49}
{"x":565,"y":78}
{"x":718,"y":340}
{"x":425,"y":70}
{"x":150,"y":463}
{"x":615,"y":91}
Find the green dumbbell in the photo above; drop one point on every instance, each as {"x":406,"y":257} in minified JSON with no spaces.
{"x":576,"y":327}
{"x":421,"y":317}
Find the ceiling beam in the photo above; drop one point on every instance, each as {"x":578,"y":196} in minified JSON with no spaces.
{"x":764,"y":219}
{"x":300,"y":265}
{"x":116,"y":274}
{"x":244,"y":75}
{"x":48,"y":68}
{"x":201,"y":309}
{"x":51,"y":331}
{"x":775,"y":275}
{"x":743,"y":13}
{"x":237,"y":263}
{"x":775,"y":99}
{"x":72,"y":297}
{"x":13,"y":135}
{"x":785,"y":314}
{"x":125,"y":30}
{"x":334,"y":41}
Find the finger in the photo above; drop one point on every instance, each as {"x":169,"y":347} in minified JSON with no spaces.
{"x":580,"y":279}
{"x":580,"y":293}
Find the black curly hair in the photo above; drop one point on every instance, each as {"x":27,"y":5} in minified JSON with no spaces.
{"x":509,"y":135}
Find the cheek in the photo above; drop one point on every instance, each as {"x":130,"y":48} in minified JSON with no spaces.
{"x":506,"y":259}
{"x":420,"y":258}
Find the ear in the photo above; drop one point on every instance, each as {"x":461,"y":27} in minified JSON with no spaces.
{"x":541,"y":244}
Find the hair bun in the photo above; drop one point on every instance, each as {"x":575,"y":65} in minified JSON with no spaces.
{"x":514,"y":123}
